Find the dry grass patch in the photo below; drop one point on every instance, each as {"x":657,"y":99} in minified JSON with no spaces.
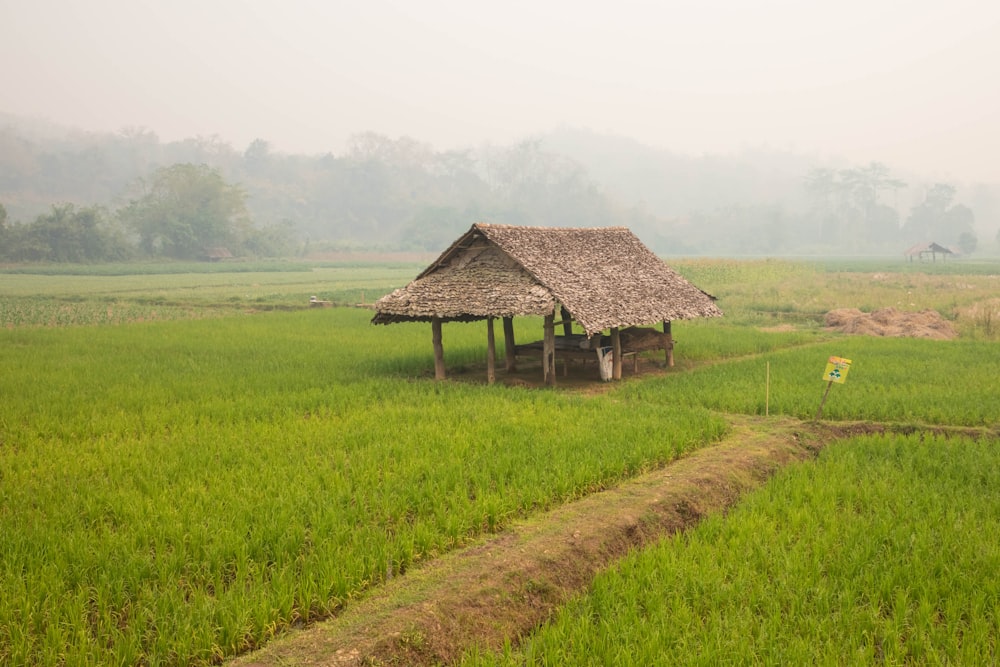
{"x":892,"y":323}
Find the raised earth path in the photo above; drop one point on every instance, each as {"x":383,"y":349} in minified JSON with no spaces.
{"x":507,"y":584}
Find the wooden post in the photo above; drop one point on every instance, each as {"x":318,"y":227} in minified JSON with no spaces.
{"x":767,"y":390}
{"x":567,"y":320}
{"x":491,"y":353}
{"x":438,"y":349}
{"x":549,"y":351}
{"x":669,"y":343}
{"x":508,"y":344}
{"x":616,"y":347}
{"x":819,"y":413}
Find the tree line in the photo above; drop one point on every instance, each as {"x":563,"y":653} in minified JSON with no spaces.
{"x":109,"y":197}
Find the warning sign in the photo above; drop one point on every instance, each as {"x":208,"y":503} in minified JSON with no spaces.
{"x":836,"y":370}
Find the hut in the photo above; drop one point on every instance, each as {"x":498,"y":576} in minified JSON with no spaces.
{"x":598,"y":278}
{"x":217,"y":254}
{"x":921,"y":250}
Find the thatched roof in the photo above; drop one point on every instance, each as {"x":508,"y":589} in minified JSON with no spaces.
{"x":605,"y":277}
{"x":929,"y":247}
{"x":215,"y":254}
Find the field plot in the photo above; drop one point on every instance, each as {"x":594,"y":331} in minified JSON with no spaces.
{"x":892,"y":380}
{"x":176,"y":492}
{"x":885,"y":551}
{"x":191,"y":465}
{"x":105,"y":295}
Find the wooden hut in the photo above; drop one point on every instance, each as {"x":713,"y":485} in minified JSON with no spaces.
{"x":599,"y":278}
{"x":922,"y":250}
{"x":217,"y":254}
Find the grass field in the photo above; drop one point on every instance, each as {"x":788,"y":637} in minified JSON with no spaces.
{"x":192,"y":463}
{"x":885,"y":551}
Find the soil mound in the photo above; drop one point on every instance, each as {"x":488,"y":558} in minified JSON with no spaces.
{"x":891,"y":322}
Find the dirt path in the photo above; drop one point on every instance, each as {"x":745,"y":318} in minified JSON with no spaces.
{"x":508,"y":584}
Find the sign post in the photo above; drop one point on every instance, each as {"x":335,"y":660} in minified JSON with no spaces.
{"x":836,"y":371}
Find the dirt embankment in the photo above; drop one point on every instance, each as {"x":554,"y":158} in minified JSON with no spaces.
{"x":508,"y":584}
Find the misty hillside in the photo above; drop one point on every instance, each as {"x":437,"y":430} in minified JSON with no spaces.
{"x":401,"y":194}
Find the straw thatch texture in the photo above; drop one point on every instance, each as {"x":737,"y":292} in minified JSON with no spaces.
{"x":478,"y":282}
{"x":605,"y":277}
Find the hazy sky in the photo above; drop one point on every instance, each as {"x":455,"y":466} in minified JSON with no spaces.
{"x":914,"y":84}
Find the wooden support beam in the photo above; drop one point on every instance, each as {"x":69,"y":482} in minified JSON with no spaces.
{"x":438,"y":349}
{"x":510,"y":356}
{"x":549,"y":352}
{"x":669,"y":343}
{"x":567,"y":324}
{"x":567,"y":321}
{"x":616,"y":347}
{"x":491,"y":353}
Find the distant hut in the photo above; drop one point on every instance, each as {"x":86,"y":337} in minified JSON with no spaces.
{"x":922,"y":250}
{"x":599,"y":278}
{"x":217,"y":254}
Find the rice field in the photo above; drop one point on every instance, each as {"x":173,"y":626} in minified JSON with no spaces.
{"x":178,"y":492}
{"x":893,"y":380}
{"x":884,"y":551}
{"x":193,"y":464}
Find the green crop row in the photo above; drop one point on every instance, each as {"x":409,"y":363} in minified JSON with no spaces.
{"x":24,"y":312}
{"x":176,"y":492}
{"x":885,"y":551}
{"x":211,"y":287}
{"x":891,"y":380}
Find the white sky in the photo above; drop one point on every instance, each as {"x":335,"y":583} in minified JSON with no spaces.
{"x":913,"y":84}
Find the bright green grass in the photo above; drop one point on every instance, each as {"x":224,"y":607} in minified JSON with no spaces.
{"x":174,"y":492}
{"x":891,"y":379}
{"x":885,"y":551}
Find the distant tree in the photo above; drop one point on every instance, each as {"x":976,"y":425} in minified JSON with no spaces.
{"x":847,"y":207}
{"x":936,"y":218}
{"x":66,"y":234}
{"x":967,"y":242}
{"x":277,"y":240}
{"x":434,"y":228}
{"x":402,"y":152}
{"x":187,"y":209}
{"x":4,"y":240}
{"x":257,"y":155}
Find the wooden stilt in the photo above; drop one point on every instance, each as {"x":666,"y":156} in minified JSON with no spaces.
{"x":616,"y":346}
{"x":438,"y":349}
{"x":567,"y":322}
{"x":510,"y":357}
{"x":549,"y":351}
{"x":491,"y":352}
{"x":669,"y":343}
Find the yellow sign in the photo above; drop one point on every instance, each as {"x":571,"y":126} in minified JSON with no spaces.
{"x":836,"y":370}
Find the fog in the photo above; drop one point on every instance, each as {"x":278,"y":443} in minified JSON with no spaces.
{"x":911,"y":85}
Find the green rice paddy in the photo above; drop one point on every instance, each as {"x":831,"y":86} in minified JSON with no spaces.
{"x":192,"y":464}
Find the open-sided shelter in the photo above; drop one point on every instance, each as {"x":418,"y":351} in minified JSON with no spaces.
{"x":599,"y":278}
{"x":921,"y":250}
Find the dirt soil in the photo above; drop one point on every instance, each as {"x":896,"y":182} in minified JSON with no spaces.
{"x":507,"y":584}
